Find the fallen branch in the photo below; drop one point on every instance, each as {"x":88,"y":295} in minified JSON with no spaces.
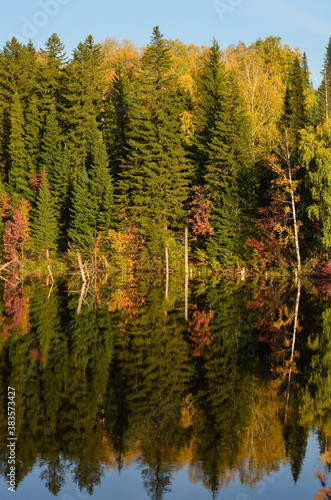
{"x":8,"y":264}
{"x":51,"y":275}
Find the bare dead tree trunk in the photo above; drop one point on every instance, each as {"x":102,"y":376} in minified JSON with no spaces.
{"x":82,"y":294}
{"x":167,"y":272}
{"x":186,"y":297}
{"x":167,"y":260}
{"x":186,"y":251}
{"x":81,"y":267}
{"x":295,"y":226}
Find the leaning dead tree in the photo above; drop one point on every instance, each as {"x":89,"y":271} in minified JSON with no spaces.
{"x":89,"y":273}
{"x":10,"y":268}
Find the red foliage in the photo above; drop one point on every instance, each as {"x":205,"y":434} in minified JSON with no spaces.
{"x":325,"y":274}
{"x":255,"y":304}
{"x":37,"y":355}
{"x":265,"y":244}
{"x":5,"y":205}
{"x":326,"y":286}
{"x":16,"y":230}
{"x":200,"y":333}
{"x":200,"y":215}
{"x":326,"y":270}
{"x":16,"y":309}
{"x":37,"y":180}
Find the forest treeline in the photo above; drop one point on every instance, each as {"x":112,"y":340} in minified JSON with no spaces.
{"x":114,"y":151}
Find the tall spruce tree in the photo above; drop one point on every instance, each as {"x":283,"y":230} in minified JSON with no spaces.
{"x":82,"y":224}
{"x":295,"y":99}
{"x":101,"y":187}
{"x":82,"y":99}
{"x":212,"y":108}
{"x":19,"y":174}
{"x":53,"y":69}
{"x":154,"y":181}
{"x":60,"y":181}
{"x":31,"y":136}
{"x":51,"y":142}
{"x":324,"y":90}
{"x":44,"y":226}
{"x":116,"y":125}
{"x":223,"y":156}
{"x":19,"y":71}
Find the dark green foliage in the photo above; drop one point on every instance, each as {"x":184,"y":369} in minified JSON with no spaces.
{"x":18,"y":71}
{"x":223,"y":156}
{"x":19,"y":174}
{"x":155,"y":174}
{"x":52,"y":71}
{"x":117,"y":120}
{"x":295,"y":99}
{"x":44,"y":227}
{"x":50,"y":150}
{"x":92,"y":198}
{"x":82,"y":96}
{"x":59,"y":178}
{"x":82,"y":225}
{"x":213,"y":111}
{"x":32,"y":134}
{"x":101,"y":187}
{"x":324,"y":90}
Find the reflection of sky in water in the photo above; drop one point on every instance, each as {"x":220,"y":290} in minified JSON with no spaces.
{"x":128,"y":485}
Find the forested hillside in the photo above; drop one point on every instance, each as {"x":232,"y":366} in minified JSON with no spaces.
{"x":114,"y":150}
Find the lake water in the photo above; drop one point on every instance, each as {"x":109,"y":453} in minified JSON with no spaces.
{"x":127,"y":391}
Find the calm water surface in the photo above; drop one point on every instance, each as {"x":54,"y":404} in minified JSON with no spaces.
{"x":123,"y":393}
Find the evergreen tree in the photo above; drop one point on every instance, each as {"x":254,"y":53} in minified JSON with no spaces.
{"x":44,"y":226}
{"x":324,"y":91}
{"x":82,"y":223}
{"x":117,"y":120}
{"x":101,"y":188}
{"x":223,"y":155}
{"x":18,"y":76}
{"x":32,"y":129}
{"x":19,"y":174}
{"x":19,"y":71}
{"x":212,"y":107}
{"x":50,"y":151}
{"x":306,"y":70}
{"x":155,"y":174}
{"x":59,"y":178}
{"x":82,"y":99}
{"x":295,"y":99}
{"x":53,"y":69}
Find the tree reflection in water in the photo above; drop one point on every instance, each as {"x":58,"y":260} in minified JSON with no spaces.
{"x":231,"y":393}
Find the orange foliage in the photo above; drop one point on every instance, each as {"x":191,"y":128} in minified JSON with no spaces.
{"x":127,"y":300}
{"x":124,"y":248}
{"x":200,"y":333}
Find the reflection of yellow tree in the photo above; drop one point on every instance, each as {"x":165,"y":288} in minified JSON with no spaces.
{"x":263,"y":445}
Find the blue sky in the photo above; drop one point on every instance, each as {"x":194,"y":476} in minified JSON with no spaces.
{"x":304,"y":24}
